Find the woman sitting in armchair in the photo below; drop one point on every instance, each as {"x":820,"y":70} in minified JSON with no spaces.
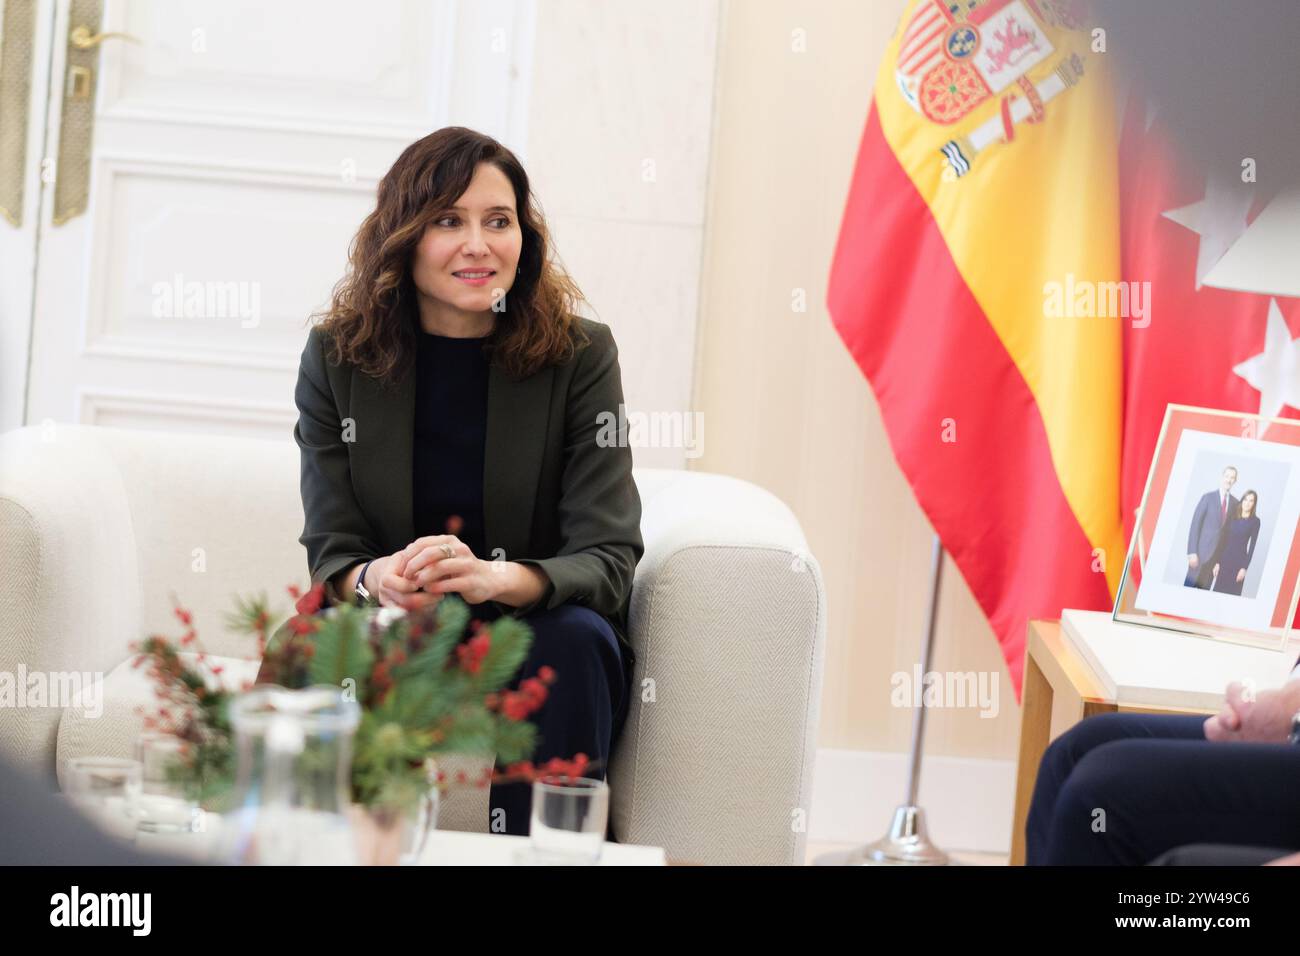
{"x":449,"y":411}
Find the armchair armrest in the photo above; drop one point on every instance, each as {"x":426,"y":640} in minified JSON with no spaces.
{"x":728,"y":620}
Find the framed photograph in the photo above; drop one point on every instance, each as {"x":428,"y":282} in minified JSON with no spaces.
{"x":1215,"y":548}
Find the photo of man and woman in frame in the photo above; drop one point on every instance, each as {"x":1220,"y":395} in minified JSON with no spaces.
{"x":1225,"y":527}
{"x":1223,"y":536}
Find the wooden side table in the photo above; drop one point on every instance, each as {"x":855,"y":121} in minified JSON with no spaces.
{"x":1056,"y":677}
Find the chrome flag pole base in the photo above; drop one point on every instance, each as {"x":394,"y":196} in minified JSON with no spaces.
{"x":906,"y":844}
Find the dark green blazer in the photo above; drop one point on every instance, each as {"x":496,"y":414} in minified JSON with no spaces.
{"x":552,"y":496}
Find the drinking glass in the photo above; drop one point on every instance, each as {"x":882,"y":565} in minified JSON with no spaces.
{"x":163,"y":806}
{"x":106,"y":790}
{"x":569,"y":817}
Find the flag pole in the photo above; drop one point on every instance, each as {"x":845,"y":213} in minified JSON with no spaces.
{"x":907,"y":842}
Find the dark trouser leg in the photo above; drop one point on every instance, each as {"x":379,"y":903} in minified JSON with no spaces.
{"x":1154,"y":795}
{"x":586,"y":706}
{"x":1073,"y":745}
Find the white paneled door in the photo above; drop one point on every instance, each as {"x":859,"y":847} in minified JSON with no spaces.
{"x":207,"y":165}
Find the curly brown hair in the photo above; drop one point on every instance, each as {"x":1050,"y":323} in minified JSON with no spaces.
{"x":372,"y":319}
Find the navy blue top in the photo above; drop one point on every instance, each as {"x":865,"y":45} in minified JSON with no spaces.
{"x":451,"y":394}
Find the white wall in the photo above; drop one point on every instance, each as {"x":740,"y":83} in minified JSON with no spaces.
{"x":234,"y":159}
{"x":620,"y":124}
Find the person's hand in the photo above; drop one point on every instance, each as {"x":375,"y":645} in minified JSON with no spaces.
{"x":442,"y":564}
{"x":1265,"y":718}
{"x":385,"y":580}
{"x":1291,"y":860}
{"x":1193,"y":562}
{"x":1241,"y":575}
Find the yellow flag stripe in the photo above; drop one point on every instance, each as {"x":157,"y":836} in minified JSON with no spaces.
{"x":1043,"y":208}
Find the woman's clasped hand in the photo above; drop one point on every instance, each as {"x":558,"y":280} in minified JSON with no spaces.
{"x":429,"y":567}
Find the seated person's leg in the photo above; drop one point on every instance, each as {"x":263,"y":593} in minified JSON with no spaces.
{"x":1128,"y":801}
{"x":1069,"y":748}
{"x":584,"y":708}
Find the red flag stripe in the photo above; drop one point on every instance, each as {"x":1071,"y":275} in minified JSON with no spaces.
{"x":912,"y":325}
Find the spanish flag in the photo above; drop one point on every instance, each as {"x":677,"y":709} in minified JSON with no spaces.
{"x":985,"y":191}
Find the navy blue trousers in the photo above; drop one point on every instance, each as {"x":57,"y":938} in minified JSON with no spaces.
{"x":585,"y":708}
{"x":1122,"y":789}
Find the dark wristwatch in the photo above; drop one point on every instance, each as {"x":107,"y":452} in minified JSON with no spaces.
{"x":363,"y":595}
{"x":1295,"y":729}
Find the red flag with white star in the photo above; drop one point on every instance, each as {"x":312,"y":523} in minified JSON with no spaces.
{"x":1203,"y":346}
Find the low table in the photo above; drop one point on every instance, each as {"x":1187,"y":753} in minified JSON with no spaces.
{"x":443,"y":848}
{"x":454,"y":848}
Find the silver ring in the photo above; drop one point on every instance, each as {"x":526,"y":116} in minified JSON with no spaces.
{"x":448,"y":550}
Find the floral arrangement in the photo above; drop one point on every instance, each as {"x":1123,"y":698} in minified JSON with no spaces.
{"x":423,"y":689}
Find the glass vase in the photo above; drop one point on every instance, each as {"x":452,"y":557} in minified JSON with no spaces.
{"x":387,"y":836}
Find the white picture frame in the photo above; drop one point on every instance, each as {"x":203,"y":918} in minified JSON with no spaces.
{"x":1195,"y":499}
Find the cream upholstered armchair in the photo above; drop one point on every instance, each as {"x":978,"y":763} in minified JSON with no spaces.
{"x":99,"y":526}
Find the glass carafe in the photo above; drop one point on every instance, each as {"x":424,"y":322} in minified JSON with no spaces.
{"x":293,"y":778}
